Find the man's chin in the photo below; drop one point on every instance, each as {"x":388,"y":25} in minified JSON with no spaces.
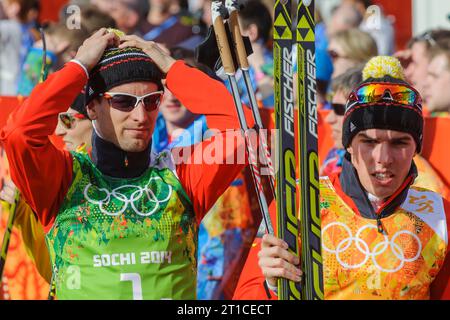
{"x":384,"y":192}
{"x":136,"y":145}
{"x":69,"y":146}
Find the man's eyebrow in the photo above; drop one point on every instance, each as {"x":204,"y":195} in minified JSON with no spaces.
{"x":406,"y":137}
{"x":365,"y":136}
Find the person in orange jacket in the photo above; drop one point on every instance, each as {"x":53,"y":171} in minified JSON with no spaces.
{"x":342,"y":86}
{"x":27,"y":269}
{"x":382,"y":238}
{"x":75,"y":129}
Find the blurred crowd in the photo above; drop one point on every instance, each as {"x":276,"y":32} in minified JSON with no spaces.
{"x":344,"y":43}
{"x":349,"y":37}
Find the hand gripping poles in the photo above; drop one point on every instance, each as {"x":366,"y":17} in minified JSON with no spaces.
{"x":225,"y":54}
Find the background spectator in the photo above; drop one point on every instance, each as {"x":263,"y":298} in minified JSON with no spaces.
{"x":165,"y":25}
{"x":129,"y":14}
{"x":18,"y":33}
{"x":376,"y":24}
{"x":256,"y":23}
{"x":92,"y":18}
{"x":344,"y":17}
{"x":350,"y":47}
{"x":415,"y":58}
{"x":438,"y":81}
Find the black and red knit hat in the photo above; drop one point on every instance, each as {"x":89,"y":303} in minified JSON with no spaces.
{"x":79,"y":106}
{"x":120,"y":66}
{"x":389,"y":112}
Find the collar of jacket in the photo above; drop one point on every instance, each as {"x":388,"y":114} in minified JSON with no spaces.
{"x":352,"y":187}
{"x":115,"y":162}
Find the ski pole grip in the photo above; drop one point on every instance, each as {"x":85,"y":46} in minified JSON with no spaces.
{"x":221,"y":38}
{"x":237,"y":36}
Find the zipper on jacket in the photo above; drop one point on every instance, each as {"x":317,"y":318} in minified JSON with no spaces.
{"x":380,"y":225}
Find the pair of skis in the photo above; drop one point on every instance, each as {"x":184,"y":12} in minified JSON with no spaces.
{"x":298,"y":136}
{"x":289,"y":134}
{"x":219,"y":11}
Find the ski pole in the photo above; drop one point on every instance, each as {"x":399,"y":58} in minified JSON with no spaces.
{"x":44,"y":55}
{"x":7,"y":235}
{"x":228,"y":65}
{"x":52,"y":287}
{"x":241,"y":54}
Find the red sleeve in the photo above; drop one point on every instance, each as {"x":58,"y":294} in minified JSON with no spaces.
{"x":204,"y":177}
{"x":440,"y":288}
{"x":252,"y":283}
{"x":42,"y":172}
{"x":204,"y":180}
{"x":203,"y":95}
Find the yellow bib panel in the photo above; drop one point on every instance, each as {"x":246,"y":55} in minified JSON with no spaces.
{"x":361,"y":263}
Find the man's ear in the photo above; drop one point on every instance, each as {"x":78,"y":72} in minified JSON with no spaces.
{"x":350,"y":150}
{"x":92,"y":110}
{"x":252,"y":32}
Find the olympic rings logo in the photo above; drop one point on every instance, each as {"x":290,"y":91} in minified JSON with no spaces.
{"x":377,"y":250}
{"x":136,"y":196}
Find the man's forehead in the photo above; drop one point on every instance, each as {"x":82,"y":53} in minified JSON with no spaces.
{"x":439,"y":63}
{"x":340,"y":96}
{"x":419,"y":51}
{"x":138,"y":87}
{"x":384,"y":134}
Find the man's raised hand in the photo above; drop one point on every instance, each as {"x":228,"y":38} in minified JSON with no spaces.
{"x":93,"y":47}
{"x":155,"y":51}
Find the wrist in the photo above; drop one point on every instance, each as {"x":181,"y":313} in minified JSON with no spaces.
{"x":82,"y":65}
{"x":168,"y":65}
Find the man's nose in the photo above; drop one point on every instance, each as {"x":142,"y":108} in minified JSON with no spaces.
{"x":139,"y":114}
{"x":383,"y":154}
{"x":331,"y":117}
{"x":60,"y":130}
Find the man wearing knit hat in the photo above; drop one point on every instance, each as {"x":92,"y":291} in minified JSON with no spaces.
{"x":121,"y":222}
{"x":381,"y":237}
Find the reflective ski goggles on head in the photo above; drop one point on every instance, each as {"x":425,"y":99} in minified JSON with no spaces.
{"x":386,"y":92}
{"x":68,"y":119}
{"x":127,"y":102}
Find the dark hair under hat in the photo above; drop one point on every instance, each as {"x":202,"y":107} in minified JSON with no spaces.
{"x":385,"y":114}
{"x":120,"y":66}
{"x":78,"y":105}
